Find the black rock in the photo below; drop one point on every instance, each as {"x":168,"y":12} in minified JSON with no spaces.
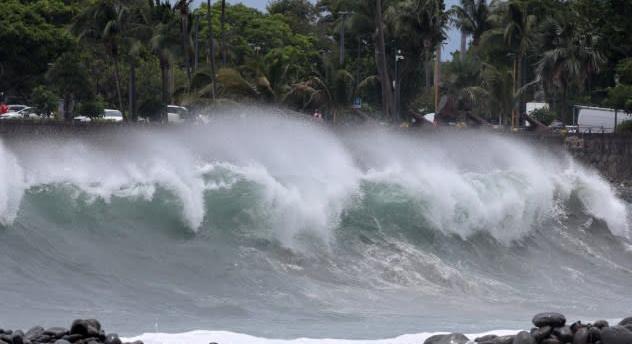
{"x":6,"y":338}
{"x":136,"y":342}
{"x":34,"y":332}
{"x":452,"y":338}
{"x":86,"y":328}
{"x":564,"y":333}
{"x":56,"y":332}
{"x":616,"y":335}
{"x":551,"y":341}
{"x":523,"y":337}
{"x":72,"y":337}
{"x":62,"y":341}
{"x":112,"y":338}
{"x":501,"y":340}
{"x":540,"y":333}
{"x":625,"y":322}
{"x":601,"y":324}
{"x":486,"y":338}
{"x":17,"y":338}
{"x":594,"y":335}
{"x":581,"y":336}
{"x":549,"y":319}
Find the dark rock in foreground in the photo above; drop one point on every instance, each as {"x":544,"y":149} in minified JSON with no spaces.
{"x":82,"y":331}
{"x":549,"y":319}
{"x":452,"y":338}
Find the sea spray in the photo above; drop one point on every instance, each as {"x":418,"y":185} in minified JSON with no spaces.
{"x":280,"y":227}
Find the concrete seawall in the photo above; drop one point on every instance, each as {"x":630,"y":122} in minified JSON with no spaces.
{"x":609,"y":153}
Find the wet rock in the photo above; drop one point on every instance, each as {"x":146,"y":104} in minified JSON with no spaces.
{"x":452,"y":338}
{"x":17,"y":338}
{"x":501,"y":340}
{"x":6,"y":338}
{"x":62,"y":341}
{"x":551,"y":341}
{"x":540,"y":333}
{"x":56,"y":332}
{"x":72,"y":337}
{"x":86,"y":328}
{"x":601,"y":324}
{"x":523,"y":337}
{"x":594,"y":335}
{"x":549,"y":319}
{"x":616,"y":335}
{"x":486,"y":338}
{"x":625,"y":322}
{"x":34,"y":332}
{"x":581,"y":336}
{"x":564,"y":333}
{"x":112,"y":339}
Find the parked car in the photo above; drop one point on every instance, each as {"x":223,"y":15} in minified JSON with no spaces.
{"x":24,"y":113}
{"x":16,"y":108}
{"x":109,"y":115}
{"x":177,"y":114}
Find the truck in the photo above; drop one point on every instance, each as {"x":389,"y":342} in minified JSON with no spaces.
{"x":592,"y":119}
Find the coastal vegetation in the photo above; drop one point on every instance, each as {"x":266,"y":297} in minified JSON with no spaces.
{"x":380,"y":55}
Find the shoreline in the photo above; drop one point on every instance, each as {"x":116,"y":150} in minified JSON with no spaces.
{"x":548,"y":328}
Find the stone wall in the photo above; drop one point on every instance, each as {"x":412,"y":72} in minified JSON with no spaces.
{"x":610,"y":154}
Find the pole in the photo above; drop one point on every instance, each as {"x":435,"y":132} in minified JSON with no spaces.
{"x":437,"y":80}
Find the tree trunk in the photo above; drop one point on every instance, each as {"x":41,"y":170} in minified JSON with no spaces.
{"x":380,"y":60}
{"x":117,"y":80}
{"x":184,"y":19}
{"x":222,"y":19}
{"x":516,"y":102}
{"x":428,"y":69}
{"x":437,"y":80}
{"x":211,"y":47}
{"x":164,"y":66}
{"x":463,"y":44}
{"x":132,"y":92}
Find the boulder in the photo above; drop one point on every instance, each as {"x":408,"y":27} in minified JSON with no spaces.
{"x":112,"y":339}
{"x":551,"y":341}
{"x":486,"y":338}
{"x":17,"y":338}
{"x":523,"y":337}
{"x":62,"y":341}
{"x":549,"y":319}
{"x":581,"y":336}
{"x":452,"y":338}
{"x":86,"y":328}
{"x":56,"y":332}
{"x":616,"y":335}
{"x":594,"y":334}
{"x":625,"y":321}
{"x":564,"y":334}
{"x":601,"y":324}
{"x":34,"y":332}
{"x":541,"y":333}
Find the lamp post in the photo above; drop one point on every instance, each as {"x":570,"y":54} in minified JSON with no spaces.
{"x":344,"y":15}
{"x":396,"y":83}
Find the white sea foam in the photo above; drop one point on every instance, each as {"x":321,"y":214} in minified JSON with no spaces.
{"x":308,"y":175}
{"x":224,"y":337}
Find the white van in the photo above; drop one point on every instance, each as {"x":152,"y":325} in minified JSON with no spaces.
{"x":177,"y":114}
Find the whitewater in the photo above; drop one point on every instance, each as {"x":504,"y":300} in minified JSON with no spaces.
{"x":258,"y":226}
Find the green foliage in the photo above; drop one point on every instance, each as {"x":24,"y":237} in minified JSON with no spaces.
{"x":625,"y":127}
{"x":624,"y":71}
{"x":44,"y":100}
{"x":544,"y":115}
{"x":91,"y":107}
{"x":620,"y":97}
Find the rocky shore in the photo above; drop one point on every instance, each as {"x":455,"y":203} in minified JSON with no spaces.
{"x":87,"y":331}
{"x":551,"y":328}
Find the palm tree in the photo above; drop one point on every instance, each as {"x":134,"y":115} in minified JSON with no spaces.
{"x":102,"y":21}
{"x":471,"y":17}
{"x":183,"y":7}
{"x":518,"y":28}
{"x":222,"y":20}
{"x":569,"y":59}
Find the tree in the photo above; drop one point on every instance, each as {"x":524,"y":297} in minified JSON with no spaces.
{"x":471,"y":17}
{"x":569,"y":59}
{"x":44,"y":100}
{"x":70,"y":77}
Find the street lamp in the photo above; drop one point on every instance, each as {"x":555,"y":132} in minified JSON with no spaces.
{"x":396,"y":83}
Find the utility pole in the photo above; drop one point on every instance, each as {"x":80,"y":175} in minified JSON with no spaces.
{"x":437,"y":80}
{"x":344,"y":15}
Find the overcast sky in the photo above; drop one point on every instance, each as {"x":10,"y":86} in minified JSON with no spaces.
{"x":452,"y":44}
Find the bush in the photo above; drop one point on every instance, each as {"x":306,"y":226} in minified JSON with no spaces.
{"x":44,"y":100}
{"x":91,"y":108}
{"x":544,"y":115}
{"x":620,"y":97}
{"x":625,"y":127}
{"x":624,"y":71}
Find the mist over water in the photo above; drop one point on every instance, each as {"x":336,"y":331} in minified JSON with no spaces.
{"x":280,"y":227}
